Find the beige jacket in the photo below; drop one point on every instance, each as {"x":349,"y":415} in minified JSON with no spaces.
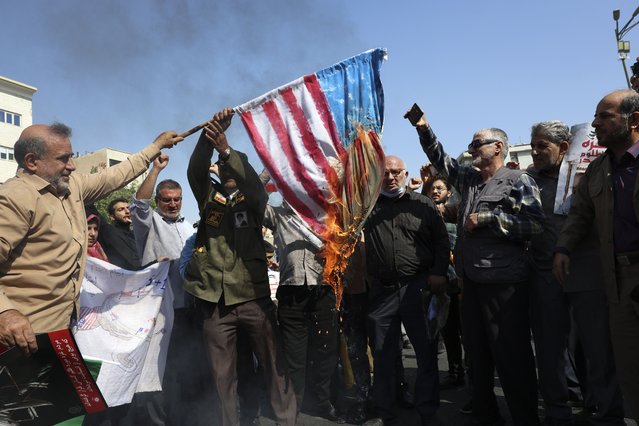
{"x":43,"y":240}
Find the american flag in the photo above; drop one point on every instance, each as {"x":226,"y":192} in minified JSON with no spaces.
{"x":303,"y":129}
{"x":88,"y":318}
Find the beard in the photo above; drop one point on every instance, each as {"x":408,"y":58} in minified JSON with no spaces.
{"x":621,"y":135}
{"x":478,"y":161}
{"x":61,"y":184}
{"x":172,"y":216}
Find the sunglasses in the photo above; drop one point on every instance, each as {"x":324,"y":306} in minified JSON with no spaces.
{"x":478,"y":142}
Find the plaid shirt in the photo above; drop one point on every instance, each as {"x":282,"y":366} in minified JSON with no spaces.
{"x":524,"y":199}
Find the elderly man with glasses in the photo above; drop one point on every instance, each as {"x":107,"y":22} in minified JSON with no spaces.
{"x":500,"y":212}
{"x":407,"y":251}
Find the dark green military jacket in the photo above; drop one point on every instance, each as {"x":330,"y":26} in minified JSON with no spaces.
{"x":229,"y":258}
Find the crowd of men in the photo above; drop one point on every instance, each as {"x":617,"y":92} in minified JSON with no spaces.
{"x":509,"y":264}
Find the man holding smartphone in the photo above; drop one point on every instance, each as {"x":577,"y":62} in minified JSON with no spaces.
{"x":500,"y":212}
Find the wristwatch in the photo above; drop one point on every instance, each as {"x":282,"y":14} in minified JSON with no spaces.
{"x":226,"y":154}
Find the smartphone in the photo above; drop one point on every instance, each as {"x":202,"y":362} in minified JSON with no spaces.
{"x":414,"y":114}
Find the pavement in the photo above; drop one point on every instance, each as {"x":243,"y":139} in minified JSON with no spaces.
{"x":451,"y":401}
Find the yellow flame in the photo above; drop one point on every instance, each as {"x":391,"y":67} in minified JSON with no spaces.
{"x":354,"y":197}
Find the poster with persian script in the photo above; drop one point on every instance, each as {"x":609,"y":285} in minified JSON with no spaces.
{"x":582,"y":151}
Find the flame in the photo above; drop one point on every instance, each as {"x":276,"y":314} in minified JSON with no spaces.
{"x":355,"y":194}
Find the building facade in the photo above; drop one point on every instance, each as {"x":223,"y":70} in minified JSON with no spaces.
{"x":93,"y":162}
{"x":16,"y":113}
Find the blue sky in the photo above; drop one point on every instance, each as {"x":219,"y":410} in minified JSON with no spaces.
{"x":120,"y":72}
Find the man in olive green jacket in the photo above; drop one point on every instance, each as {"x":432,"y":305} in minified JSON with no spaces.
{"x":608,"y":195}
{"x":230,"y":264}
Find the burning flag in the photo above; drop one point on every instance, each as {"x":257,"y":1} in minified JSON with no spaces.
{"x":319,"y":138}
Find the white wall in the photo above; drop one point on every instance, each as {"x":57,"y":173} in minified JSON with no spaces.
{"x":16,"y":98}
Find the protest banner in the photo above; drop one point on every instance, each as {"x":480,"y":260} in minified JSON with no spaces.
{"x":582,"y":151}
{"x":124,"y":323}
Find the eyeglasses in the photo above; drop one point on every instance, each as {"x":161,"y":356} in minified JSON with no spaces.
{"x":168,"y":200}
{"x":476,"y":143}
{"x":395,"y":173}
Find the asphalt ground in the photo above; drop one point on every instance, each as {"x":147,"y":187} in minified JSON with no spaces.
{"x":451,"y":402}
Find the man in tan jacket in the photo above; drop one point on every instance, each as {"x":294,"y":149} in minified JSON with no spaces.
{"x":608,"y":196}
{"x":43,"y":232}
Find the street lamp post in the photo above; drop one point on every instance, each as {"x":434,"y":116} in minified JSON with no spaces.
{"x":623,"y":46}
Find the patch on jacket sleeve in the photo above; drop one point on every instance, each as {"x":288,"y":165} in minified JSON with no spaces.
{"x":219,"y":198}
{"x":215,"y":218}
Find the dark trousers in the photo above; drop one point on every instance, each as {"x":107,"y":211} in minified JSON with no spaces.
{"x":390,"y":307}
{"x":624,"y":327}
{"x":452,"y":333}
{"x":576,"y":368}
{"x":550,"y":323}
{"x":184,"y":399}
{"x":495,"y":318}
{"x":257,"y":319}
{"x":355,"y":310}
{"x":186,"y":383}
{"x":309,"y":325}
{"x":250,"y":380}
{"x":598,"y":379}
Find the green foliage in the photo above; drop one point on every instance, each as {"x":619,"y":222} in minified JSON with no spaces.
{"x":126,"y":193}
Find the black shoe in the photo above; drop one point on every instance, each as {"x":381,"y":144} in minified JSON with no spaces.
{"x":356,"y":415}
{"x":452,"y":381}
{"x":326,"y":410}
{"x":467,"y":408}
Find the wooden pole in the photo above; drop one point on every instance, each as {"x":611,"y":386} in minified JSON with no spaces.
{"x":193,"y":130}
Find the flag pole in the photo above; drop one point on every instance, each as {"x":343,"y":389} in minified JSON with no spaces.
{"x":194,"y":129}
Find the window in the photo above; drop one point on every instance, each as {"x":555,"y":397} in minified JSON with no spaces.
{"x":10,"y":118}
{"x":6,"y":153}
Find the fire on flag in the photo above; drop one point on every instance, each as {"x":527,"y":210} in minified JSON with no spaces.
{"x":319,"y":137}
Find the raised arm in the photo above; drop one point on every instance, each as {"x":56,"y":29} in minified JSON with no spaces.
{"x":234,"y":164}
{"x":212,"y":138}
{"x":98,"y":185}
{"x":434,"y":150}
{"x":145,"y":191}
